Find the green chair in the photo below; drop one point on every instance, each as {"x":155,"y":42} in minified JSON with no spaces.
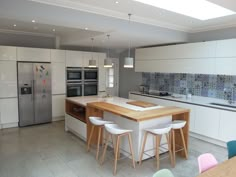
{"x":163,"y":173}
{"x":231,"y":146}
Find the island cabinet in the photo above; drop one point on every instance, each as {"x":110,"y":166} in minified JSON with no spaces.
{"x":75,"y":119}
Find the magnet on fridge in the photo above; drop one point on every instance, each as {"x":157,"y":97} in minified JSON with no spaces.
{"x":44,"y":81}
{"x":47,"y":73}
{"x":37,"y":69}
{"x":42,"y":67}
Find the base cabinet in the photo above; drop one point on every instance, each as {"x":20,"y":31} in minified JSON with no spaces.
{"x":227,"y":130}
{"x":58,"y":107}
{"x":76,"y":126}
{"x":9,"y":112}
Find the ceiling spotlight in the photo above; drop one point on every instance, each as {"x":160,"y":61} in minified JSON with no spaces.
{"x":33,"y":21}
{"x":117,"y":2}
{"x":86,"y":28}
{"x":54,"y":30}
{"x":14,"y":25}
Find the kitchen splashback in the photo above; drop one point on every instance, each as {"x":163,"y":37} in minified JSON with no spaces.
{"x":215,"y":86}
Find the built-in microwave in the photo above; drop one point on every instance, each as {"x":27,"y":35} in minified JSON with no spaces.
{"x":90,"y":88}
{"x":74,"y":89}
{"x":90,"y":74}
{"x":74,"y":74}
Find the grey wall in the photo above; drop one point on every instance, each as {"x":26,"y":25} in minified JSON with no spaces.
{"x":24,"y":40}
{"x":129,"y":80}
{"x":227,"y":33}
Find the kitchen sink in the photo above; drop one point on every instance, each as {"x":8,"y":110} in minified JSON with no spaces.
{"x":224,"y":105}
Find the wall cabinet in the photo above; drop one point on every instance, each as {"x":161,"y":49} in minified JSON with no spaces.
{"x":9,"y":111}
{"x":226,"y":48}
{"x":33,"y":54}
{"x":58,"y":56}
{"x":74,"y":59}
{"x":58,"y":78}
{"x":7,"y":53}
{"x":58,"y":106}
{"x":8,"y":79}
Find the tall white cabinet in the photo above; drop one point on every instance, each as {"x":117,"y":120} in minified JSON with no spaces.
{"x":58,"y":63}
{"x":8,"y":87}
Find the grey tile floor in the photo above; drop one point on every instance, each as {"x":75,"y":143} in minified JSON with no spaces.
{"x":48,"y":151}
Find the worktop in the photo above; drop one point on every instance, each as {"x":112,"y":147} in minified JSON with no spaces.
{"x":195,"y":100}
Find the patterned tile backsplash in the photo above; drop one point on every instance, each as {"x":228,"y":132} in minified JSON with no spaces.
{"x":215,"y":86}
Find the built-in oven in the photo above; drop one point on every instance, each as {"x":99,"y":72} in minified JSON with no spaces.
{"x":74,"y":89}
{"x":90,"y":74}
{"x":74,"y":74}
{"x":90,"y":88}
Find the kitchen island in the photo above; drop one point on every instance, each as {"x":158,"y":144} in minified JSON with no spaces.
{"x":127,"y":116}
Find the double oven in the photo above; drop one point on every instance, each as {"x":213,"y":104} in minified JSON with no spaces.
{"x":82,"y":81}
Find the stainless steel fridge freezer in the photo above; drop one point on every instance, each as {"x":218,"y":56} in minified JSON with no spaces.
{"x":34,"y":92}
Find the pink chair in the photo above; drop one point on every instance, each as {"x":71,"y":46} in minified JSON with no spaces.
{"x":206,"y":161}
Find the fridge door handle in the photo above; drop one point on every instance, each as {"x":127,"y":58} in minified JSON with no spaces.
{"x":32,"y":95}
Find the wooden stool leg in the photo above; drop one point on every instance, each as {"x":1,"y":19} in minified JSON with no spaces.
{"x":157,"y":151}
{"x":169,"y":148}
{"x":105,"y":148}
{"x":90,"y":137}
{"x":173,"y":145}
{"x":98,"y":141}
{"x":185,"y":149}
{"x":116,"y":154}
{"x":143,"y":147}
{"x":131,"y":148}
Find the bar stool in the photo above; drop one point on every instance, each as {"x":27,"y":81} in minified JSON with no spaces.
{"x":99,"y":123}
{"x":157,"y":132}
{"x":178,"y":125}
{"x":114,"y":129}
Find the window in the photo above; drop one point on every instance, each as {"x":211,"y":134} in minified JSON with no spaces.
{"x":110,"y":76}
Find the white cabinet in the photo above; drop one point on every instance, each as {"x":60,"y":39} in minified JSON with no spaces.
{"x":58,"y":106}
{"x":76,"y":126}
{"x":7,"y":53}
{"x":33,"y":54}
{"x":226,"y":48}
{"x":9,"y":111}
{"x":180,"y":51}
{"x":101,"y":72}
{"x":74,"y":59}
{"x":8,"y":79}
{"x":58,"y":56}
{"x":227,"y":130}
{"x":207,"y":121}
{"x":225,"y":66}
{"x":58,"y":78}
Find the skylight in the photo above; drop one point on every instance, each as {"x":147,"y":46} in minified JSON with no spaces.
{"x":200,"y":9}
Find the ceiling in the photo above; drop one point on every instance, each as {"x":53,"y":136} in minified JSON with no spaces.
{"x":149,"y":25}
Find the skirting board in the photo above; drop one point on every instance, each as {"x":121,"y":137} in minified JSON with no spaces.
{"x":207,"y":139}
{"x":58,"y":118}
{"x":10,"y":125}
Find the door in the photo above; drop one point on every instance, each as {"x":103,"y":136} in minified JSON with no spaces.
{"x":112,"y":78}
{"x":42,"y":93}
{"x":25,"y":94}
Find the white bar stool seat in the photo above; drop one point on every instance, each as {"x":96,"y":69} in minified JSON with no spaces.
{"x":99,"y":123}
{"x":157,"y":132}
{"x":114,"y":129}
{"x":178,"y":125}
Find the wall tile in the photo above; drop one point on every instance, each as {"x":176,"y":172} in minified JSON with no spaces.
{"x":215,"y":86}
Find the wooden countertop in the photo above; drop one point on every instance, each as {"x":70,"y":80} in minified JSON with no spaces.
{"x":137,"y":115}
{"x":225,"y":169}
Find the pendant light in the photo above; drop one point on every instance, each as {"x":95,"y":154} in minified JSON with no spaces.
{"x":108,"y":61}
{"x":92,"y":62}
{"x":129,"y":61}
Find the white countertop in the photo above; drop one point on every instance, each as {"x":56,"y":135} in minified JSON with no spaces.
{"x":83,"y":100}
{"x":204,"y":101}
